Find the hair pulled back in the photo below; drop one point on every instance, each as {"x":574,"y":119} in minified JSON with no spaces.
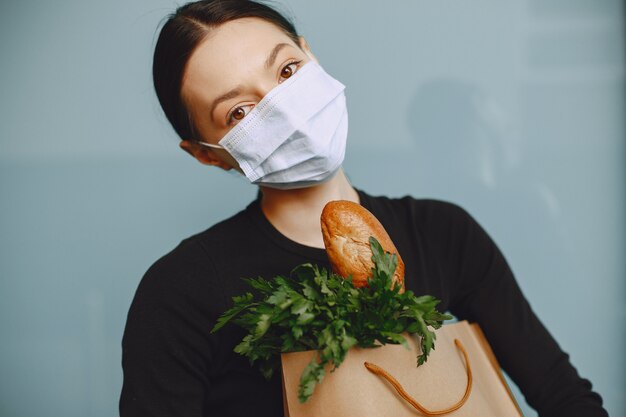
{"x":182,"y":32}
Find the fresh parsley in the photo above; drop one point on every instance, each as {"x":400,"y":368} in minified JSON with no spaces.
{"x":314,"y":309}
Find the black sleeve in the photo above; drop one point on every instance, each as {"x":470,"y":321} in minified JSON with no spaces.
{"x":486,"y":292}
{"x":165,"y":348}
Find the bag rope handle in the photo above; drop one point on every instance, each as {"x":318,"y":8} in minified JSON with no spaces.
{"x":382,"y":373}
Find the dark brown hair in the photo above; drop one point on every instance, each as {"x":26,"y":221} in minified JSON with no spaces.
{"x":182,"y":32}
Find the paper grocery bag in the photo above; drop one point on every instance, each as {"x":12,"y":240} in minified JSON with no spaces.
{"x":354,"y":391}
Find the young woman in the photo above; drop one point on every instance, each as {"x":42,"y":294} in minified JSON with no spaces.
{"x":244,"y":91}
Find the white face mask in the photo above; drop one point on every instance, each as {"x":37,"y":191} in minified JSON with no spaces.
{"x":296,"y":135}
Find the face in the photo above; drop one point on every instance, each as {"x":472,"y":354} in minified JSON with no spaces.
{"x":229,"y":73}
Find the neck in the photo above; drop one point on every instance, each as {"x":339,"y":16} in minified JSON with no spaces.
{"x":296,"y":213}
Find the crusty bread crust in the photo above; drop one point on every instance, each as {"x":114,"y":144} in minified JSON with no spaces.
{"x":346,"y":228}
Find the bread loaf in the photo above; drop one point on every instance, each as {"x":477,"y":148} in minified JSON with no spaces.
{"x":346,"y":228}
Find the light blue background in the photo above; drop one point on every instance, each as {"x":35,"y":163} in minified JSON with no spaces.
{"x":513,"y":109}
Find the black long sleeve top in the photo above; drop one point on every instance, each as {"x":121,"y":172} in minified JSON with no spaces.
{"x":173,"y":366}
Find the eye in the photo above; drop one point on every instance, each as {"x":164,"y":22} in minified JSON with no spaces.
{"x":289,"y":69}
{"x":237,"y":114}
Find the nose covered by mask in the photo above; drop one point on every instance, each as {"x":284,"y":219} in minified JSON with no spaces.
{"x":296,"y":135}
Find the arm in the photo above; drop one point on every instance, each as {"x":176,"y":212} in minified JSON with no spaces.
{"x":486,"y":292}
{"x":165,"y":350}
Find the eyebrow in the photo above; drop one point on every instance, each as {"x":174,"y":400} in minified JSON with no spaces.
{"x":237,"y":90}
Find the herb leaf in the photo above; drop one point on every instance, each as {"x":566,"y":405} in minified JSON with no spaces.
{"x":314,"y":309}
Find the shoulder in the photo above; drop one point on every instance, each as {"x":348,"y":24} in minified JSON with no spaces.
{"x":436,"y":228}
{"x":187,"y":274}
{"x":426,"y":213}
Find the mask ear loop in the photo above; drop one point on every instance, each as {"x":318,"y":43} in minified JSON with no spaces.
{"x":209,"y":145}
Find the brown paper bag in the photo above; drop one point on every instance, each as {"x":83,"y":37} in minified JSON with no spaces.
{"x":354,"y":391}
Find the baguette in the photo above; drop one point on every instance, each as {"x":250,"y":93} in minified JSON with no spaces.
{"x":346,"y":229}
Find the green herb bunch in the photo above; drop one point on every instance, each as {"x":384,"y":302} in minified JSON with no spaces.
{"x":313,"y":309}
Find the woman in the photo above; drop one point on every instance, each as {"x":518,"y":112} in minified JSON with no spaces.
{"x":244,"y":91}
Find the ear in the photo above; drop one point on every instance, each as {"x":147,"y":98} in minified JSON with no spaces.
{"x":203,"y":154}
{"x":304,"y":45}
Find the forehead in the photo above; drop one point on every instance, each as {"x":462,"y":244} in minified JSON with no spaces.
{"x":229,"y":54}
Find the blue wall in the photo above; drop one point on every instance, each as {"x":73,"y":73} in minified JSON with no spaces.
{"x":514,"y":110}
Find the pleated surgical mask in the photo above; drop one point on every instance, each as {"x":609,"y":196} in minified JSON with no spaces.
{"x":296,"y":135}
